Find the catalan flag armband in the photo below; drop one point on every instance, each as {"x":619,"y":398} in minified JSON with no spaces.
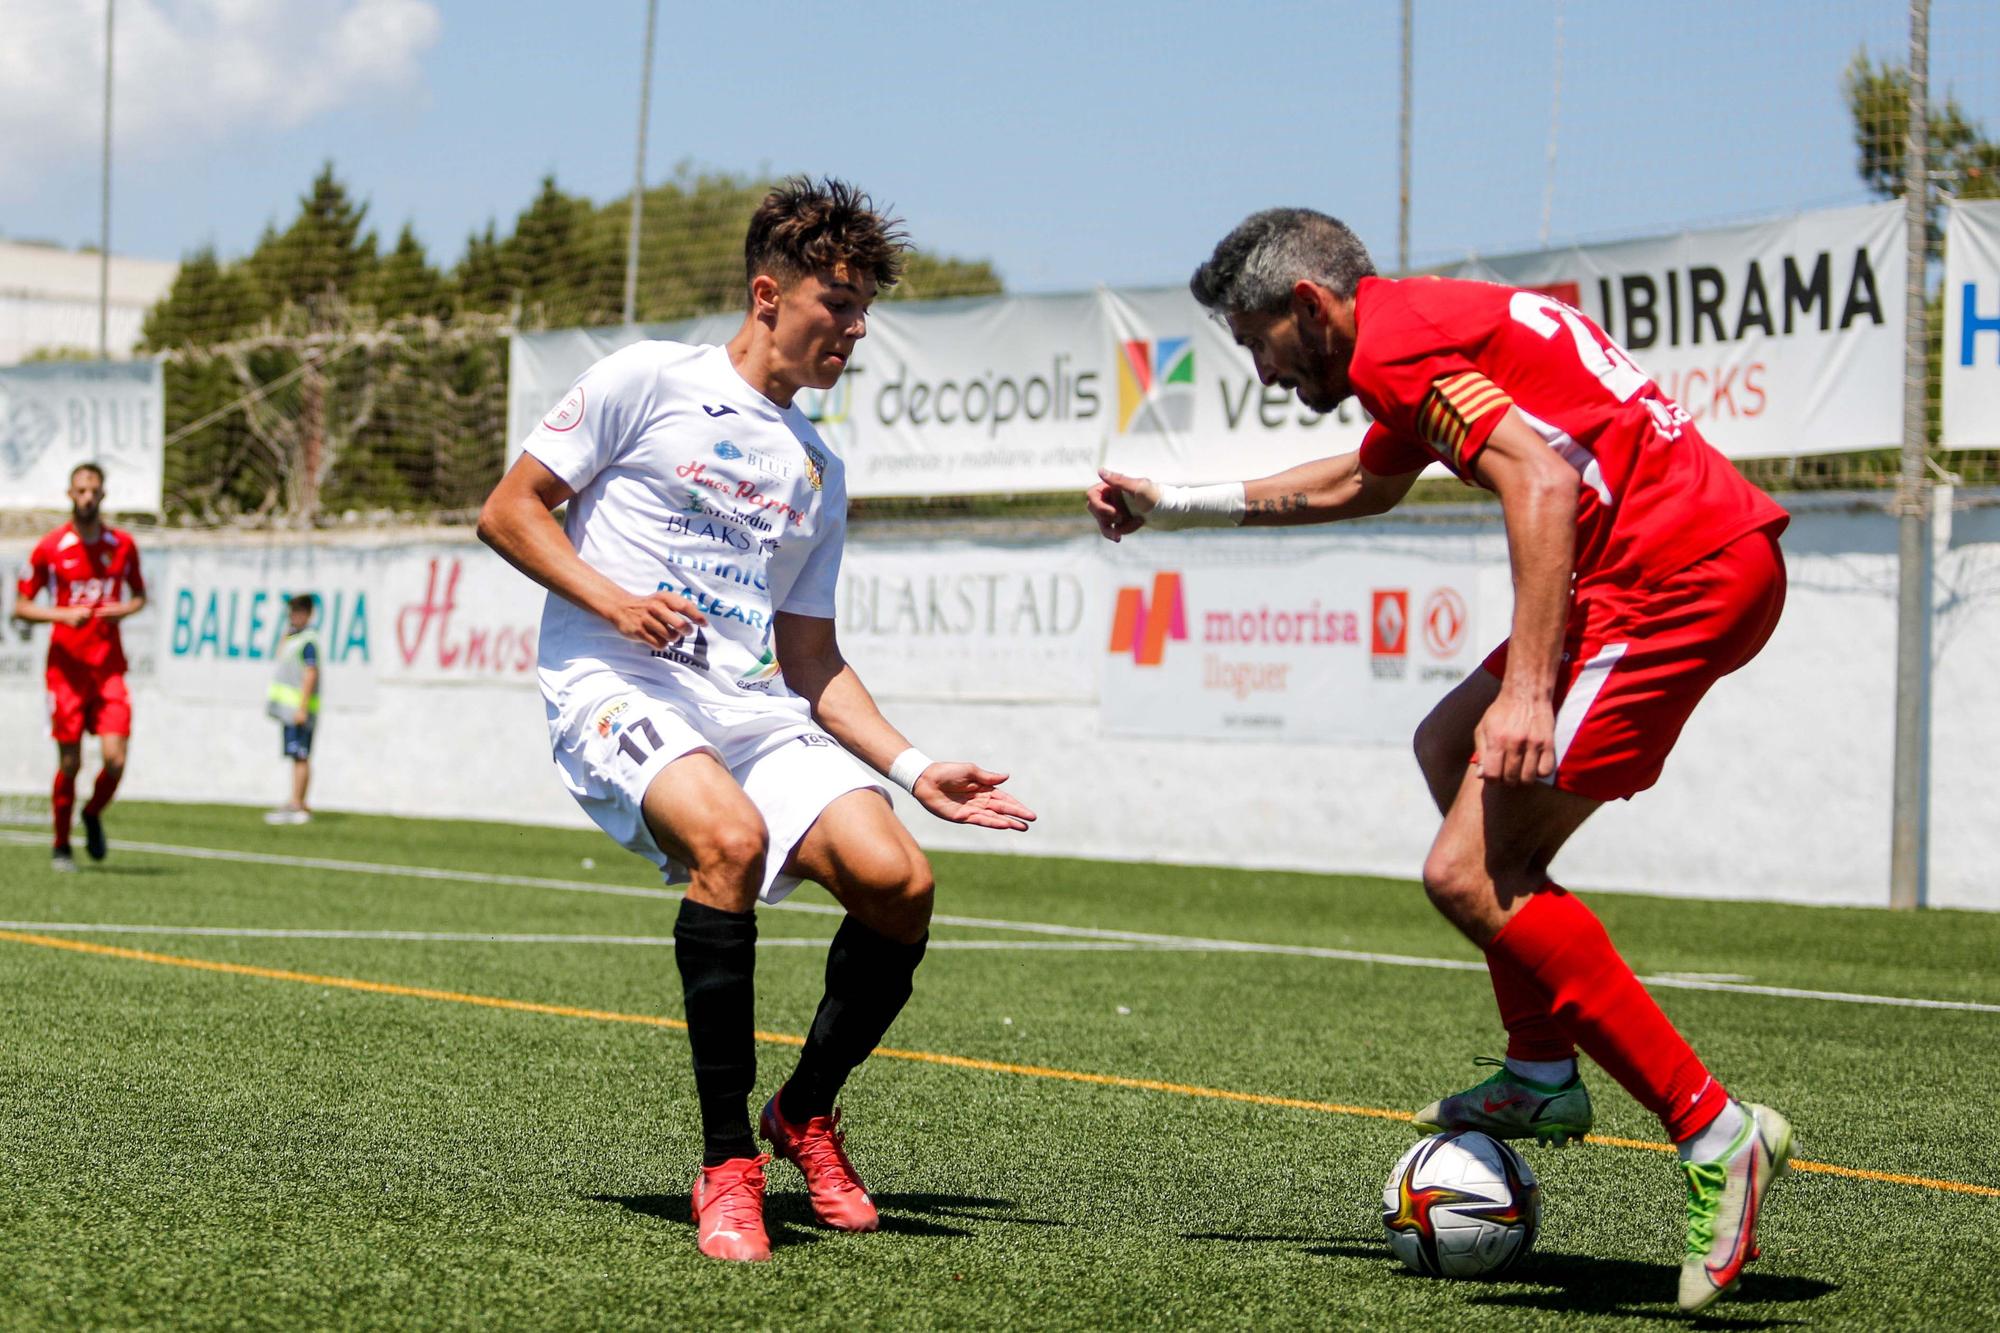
{"x":1454,"y":407}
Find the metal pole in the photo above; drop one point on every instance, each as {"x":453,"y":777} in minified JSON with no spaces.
{"x":104,"y":220}
{"x":1909,"y":858}
{"x":1403,"y":156}
{"x":1555,"y":125}
{"x":639,"y":171}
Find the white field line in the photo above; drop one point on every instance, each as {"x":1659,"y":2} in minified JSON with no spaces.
{"x":474,"y":937}
{"x":1180,"y":943}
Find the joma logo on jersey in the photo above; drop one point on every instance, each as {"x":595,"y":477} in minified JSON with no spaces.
{"x":1143,"y":629}
{"x":1155,"y":386}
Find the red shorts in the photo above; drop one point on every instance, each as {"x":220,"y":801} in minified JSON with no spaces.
{"x":1637,"y":660}
{"x":96,"y":704}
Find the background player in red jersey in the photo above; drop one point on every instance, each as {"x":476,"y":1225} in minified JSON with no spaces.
{"x":1645,"y":569}
{"x":93,"y":572}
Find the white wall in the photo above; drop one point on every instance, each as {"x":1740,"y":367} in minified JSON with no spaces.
{"x":1779,"y":788}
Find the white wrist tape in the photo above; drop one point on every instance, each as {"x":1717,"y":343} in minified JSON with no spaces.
{"x":1217,"y":506}
{"x":909,"y":766}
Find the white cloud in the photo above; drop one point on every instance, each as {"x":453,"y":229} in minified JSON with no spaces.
{"x":194,"y":74}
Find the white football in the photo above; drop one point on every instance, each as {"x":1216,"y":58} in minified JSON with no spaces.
{"x":1461,"y":1204}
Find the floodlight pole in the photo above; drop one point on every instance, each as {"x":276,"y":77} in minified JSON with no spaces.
{"x":1909,"y":847}
{"x":1403,"y":156}
{"x":104,"y":219}
{"x":639,"y":170}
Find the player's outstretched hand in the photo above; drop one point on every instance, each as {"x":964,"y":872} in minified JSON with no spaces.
{"x":657,"y":619}
{"x":968,"y":794}
{"x":1120,"y":503}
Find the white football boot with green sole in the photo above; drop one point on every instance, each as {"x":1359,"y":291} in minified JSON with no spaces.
{"x":1724,"y":1198}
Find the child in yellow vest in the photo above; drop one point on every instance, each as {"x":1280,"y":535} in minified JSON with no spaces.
{"x":293,"y":701}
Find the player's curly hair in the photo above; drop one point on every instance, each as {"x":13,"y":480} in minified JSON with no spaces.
{"x":1255,"y":266}
{"x":804,"y":226}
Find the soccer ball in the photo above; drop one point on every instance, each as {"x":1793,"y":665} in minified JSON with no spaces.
{"x":1461,"y":1204}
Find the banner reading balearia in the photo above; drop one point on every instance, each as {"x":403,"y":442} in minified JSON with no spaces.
{"x":57,"y":414}
{"x":1780,"y":338}
{"x":1972,"y":325}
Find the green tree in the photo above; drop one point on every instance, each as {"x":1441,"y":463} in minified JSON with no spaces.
{"x":208,"y":303}
{"x":559,"y":260}
{"x":316,"y":375}
{"x":405,"y":284}
{"x":485,"y":277}
{"x":1962,"y":159}
{"x":321,"y":261}
{"x":928,"y":277}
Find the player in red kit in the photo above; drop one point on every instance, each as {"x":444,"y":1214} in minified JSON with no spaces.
{"x":1645,"y":569}
{"x":93,"y":573}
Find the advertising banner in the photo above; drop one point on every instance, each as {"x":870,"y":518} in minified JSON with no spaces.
{"x":219,"y":613}
{"x":1246,"y":644}
{"x":1972,"y":325}
{"x":1778,"y":338}
{"x":1011,"y":394}
{"x":970,"y":621}
{"x":57,"y":414}
{"x":1782,"y":337}
{"x":456,"y":614}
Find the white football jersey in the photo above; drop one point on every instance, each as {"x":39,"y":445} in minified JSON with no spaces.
{"x":688,"y":479}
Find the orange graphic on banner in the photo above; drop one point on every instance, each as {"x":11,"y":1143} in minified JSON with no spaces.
{"x":1143,"y":630}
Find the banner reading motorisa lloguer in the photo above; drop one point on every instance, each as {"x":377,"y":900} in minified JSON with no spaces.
{"x":57,"y":414}
{"x":1779,"y":338}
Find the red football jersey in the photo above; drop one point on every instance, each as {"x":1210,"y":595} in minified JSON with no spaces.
{"x":1437,"y":363}
{"x":85,"y":574}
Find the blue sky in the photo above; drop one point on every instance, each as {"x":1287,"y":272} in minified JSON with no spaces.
{"x":1071,"y":144}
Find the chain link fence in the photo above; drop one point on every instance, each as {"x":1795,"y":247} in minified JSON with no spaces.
{"x":334,"y":377}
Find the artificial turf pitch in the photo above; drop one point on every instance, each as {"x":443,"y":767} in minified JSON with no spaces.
{"x":273,"y":1145}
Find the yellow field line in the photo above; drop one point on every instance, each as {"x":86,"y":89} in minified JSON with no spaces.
{"x":889,"y":1053}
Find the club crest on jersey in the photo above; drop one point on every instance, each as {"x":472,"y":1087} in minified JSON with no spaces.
{"x":815,"y":465}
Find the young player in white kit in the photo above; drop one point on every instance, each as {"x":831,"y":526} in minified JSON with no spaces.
{"x":698,"y":703}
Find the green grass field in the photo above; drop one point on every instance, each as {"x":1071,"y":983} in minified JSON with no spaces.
{"x":330,"y":1131}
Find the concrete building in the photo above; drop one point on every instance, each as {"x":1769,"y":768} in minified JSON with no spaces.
{"x":48,"y":299}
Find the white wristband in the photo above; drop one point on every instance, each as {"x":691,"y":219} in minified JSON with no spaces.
{"x":1217,"y":506}
{"x":909,"y":766}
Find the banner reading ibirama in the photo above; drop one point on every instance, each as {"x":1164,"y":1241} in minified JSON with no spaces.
{"x":1779,"y":338}
{"x":1782,"y":337}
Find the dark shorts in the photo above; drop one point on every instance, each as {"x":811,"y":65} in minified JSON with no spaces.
{"x":299,"y":740}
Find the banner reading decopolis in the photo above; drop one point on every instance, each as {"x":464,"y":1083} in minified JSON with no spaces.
{"x":1780,"y":338}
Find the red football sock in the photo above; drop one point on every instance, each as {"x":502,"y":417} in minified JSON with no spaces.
{"x":1525,"y":1008}
{"x":101,"y":793}
{"x":1562,"y":945}
{"x":61,"y":802}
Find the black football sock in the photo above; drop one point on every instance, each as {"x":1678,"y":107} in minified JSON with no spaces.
{"x":717,"y":953}
{"x":868,"y":981}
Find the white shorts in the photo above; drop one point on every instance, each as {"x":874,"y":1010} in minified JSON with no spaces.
{"x":611,"y":739}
